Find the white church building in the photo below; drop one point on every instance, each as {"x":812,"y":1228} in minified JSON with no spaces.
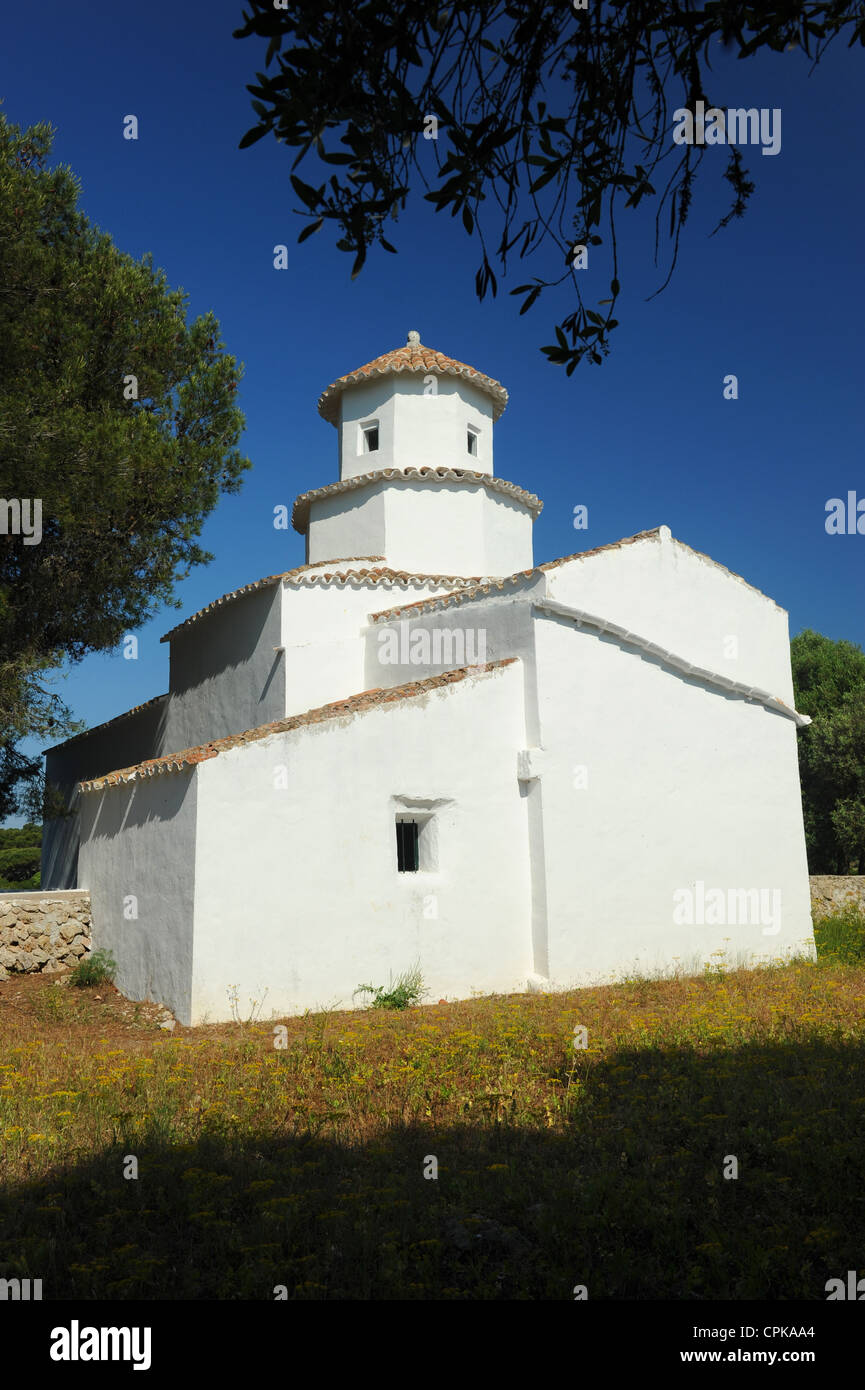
{"x":420,"y":747}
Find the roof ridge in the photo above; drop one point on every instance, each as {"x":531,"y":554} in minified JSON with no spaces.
{"x":353,"y":704}
{"x":412,"y":357}
{"x":427,"y":474}
{"x":628,"y":637}
{"x":385,"y":574}
{"x":115,"y":719}
{"x":255,"y":584}
{"x":484,"y":588}
{"x":481,"y":590}
{"x":596,"y":550}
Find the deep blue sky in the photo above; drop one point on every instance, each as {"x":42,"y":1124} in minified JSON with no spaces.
{"x":643,"y":440}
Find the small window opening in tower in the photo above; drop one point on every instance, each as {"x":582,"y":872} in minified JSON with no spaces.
{"x":370,"y":439}
{"x":472,"y":441}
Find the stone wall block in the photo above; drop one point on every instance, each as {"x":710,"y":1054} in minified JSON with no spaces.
{"x":42,"y":933}
{"x":832,"y":893}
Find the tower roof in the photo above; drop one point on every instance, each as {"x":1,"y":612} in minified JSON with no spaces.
{"x":446,"y":476}
{"x":414,"y":357}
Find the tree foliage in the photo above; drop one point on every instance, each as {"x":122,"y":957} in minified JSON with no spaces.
{"x":829,"y":684}
{"x":20,"y":855}
{"x":553,"y":118}
{"x":125,"y":474}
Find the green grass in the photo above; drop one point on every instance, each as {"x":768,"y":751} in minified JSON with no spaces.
{"x":96,"y":969}
{"x":841,"y":936}
{"x":408,"y":989}
{"x":304,"y":1167}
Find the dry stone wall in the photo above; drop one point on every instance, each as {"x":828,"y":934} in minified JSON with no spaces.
{"x":43,"y":931}
{"x":833,"y":892}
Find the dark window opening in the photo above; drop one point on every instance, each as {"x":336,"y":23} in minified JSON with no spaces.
{"x":371,"y":439}
{"x":407,"y":857}
{"x":472,"y":442}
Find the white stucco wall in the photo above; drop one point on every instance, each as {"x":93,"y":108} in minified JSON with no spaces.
{"x":684,"y":785}
{"x":457,"y":528}
{"x":662,"y":590}
{"x":427,"y":527}
{"x":346,"y":523}
{"x":309,"y":906}
{"x":138,"y":842}
{"x":417,"y":429}
{"x":226,"y":675}
{"x":118,"y":743}
{"x":323,"y":635}
{"x":495,"y":627}
{"x":368,"y":402}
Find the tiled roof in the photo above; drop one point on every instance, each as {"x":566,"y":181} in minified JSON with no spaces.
{"x":338,"y":709}
{"x":655,"y":534}
{"x":261,"y":584}
{"x":413,"y":358}
{"x":300,"y":511}
{"x":359,"y":578}
{"x":127,"y":714}
{"x":479,"y":589}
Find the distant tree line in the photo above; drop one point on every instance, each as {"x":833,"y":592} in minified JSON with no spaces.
{"x":829,"y":684}
{"x":20,"y":852}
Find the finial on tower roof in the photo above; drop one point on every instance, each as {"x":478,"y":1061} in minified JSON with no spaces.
{"x":413,"y":339}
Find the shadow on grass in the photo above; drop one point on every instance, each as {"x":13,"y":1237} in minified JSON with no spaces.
{"x":630,"y":1200}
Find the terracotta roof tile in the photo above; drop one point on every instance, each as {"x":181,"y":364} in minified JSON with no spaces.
{"x":127,"y":714}
{"x":656,"y":534}
{"x":381,"y":575}
{"x":485,"y":587}
{"x":413,"y":358}
{"x":337,"y":709}
{"x":481,"y":589}
{"x":260,"y":584}
{"x":300,"y":511}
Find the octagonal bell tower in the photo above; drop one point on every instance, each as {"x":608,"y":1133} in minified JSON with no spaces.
{"x":416,"y":481}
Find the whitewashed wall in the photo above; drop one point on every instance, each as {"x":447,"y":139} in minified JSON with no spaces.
{"x":416,"y":429}
{"x":349,"y":523}
{"x":662,"y":590}
{"x":684,"y":784}
{"x":120,"y":743}
{"x":425,"y":527}
{"x":323,"y":632}
{"x":226,"y":675}
{"x":503,"y":621}
{"x":138,"y":843}
{"x":308,"y":906}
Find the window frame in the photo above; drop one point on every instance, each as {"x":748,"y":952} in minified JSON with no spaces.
{"x":366,"y":429}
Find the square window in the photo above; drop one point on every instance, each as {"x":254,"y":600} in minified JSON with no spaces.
{"x":407,"y":846}
{"x":417,"y":834}
{"x":472,"y":442}
{"x":370,"y":439}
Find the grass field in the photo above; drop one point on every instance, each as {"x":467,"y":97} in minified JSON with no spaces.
{"x":303,"y":1167}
